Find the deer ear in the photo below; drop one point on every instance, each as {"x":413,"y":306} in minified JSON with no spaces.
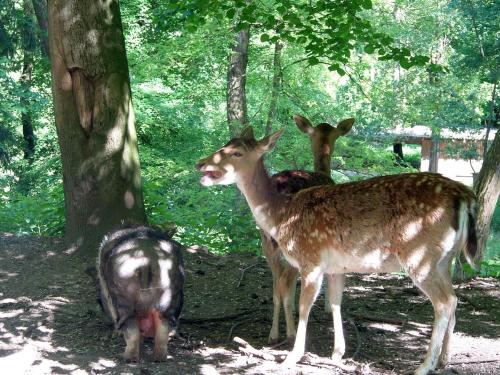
{"x":303,"y":124}
{"x":266,"y":144}
{"x":345,"y":126}
{"x":247,"y":133}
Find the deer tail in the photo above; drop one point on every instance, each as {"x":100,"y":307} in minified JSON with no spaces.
{"x":467,"y":228}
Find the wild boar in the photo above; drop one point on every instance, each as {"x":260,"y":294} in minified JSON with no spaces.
{"x":141,"y":278}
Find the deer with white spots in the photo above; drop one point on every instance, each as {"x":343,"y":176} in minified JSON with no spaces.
{"x":417,"y":222}
{"x":323,"y":137}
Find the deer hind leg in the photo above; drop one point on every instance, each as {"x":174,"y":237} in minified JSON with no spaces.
{"x":335,"y":289}
{"x":271,"y":252}
{"x":438,"y":287}
{"x":287,"y":286}
{"x":310,"y":286}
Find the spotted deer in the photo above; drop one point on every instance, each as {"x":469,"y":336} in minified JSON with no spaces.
{"x":417,"y":222}
{"x":323,"y":137}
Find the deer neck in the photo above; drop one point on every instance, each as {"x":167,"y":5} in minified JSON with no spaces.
{"x":322,"y":163}
{"x":262,"y":197}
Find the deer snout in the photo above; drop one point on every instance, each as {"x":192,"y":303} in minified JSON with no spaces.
{"x":199,"y":165}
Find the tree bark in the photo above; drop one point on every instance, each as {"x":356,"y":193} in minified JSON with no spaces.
{"x":434,"y":157}
{"x":94,"y":119}
{"x":487,"y":188}
{"x":237,"y":116}
{"x":40,"y":7}
{"x":276,"y":88}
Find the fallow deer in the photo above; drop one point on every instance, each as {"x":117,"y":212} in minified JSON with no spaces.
{"x":417,"y":221}
{"x":323,"y":137}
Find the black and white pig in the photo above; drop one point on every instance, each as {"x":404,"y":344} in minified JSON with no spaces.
{"x":141,"y":278}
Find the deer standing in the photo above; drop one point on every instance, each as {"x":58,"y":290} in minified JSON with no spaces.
{"x":323,"y":138}
{"x":417,"y":221}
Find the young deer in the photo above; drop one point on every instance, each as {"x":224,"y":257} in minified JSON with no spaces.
{"x":323,"y":138}
{"x":415,"y":221}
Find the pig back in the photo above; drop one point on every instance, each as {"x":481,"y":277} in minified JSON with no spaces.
{"x":141,"y":270}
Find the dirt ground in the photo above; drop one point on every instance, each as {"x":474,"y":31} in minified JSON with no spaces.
{"x":50,"y":322}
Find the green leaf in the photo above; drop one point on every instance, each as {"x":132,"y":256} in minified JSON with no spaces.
{"x":369,"y":48}
{"x":313,"y":60}
{"x":366,"y":4}
{"x":264,"y":38}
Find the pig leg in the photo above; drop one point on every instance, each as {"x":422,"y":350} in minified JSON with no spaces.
{"x":132,"y":336}
{"x":161,"y":339}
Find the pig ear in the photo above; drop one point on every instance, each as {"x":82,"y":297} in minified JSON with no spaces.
{"x":303,"y":124}
{"x":266,"y":144}
{"x":247,"y":133}
{"x":345,"y":126}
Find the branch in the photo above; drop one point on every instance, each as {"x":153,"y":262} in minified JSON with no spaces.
{"x":248,"y":349}
{"x":217,"y":318}
{"x":243,"y":273}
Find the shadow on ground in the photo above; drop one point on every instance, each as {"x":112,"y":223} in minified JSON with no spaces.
{"x":50,"y":322}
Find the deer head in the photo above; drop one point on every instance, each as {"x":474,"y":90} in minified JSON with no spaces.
{"x":323,"y":137}
{"x":225,"y":166}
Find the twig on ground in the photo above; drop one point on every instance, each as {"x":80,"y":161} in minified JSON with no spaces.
{"x":468,"y":300}
{"x":277,"y":345}
{"x":243,"y":273}
{"x":248,"y":349}
{"x":233,"y":327}
{"x":217,"y":318}
{"x":474,"y":361}
{"x":380,"y":319}
{"x":358,"y":338}
{"x":317,"y":361}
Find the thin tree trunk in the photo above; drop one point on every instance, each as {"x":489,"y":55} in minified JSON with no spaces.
{"x":40,"y":7}
{"x":28,"y":42}
{"x":94,"y":119}
{"x":6,"y":48}
{"x":28,"y":133}
{"x":489,"y":121}
{"x":276,"y":88}
{"x":237,"y":116}
{"x":434,"y":157}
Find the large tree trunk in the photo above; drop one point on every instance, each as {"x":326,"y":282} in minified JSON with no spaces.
{"x":277,"y":82}
{"x":94,"y":119}
{"x":28,"y":42}
{"x":237,"y":116}
{"x":487,"y":188}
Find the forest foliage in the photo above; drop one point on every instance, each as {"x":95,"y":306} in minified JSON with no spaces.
{"x":386,"y":63}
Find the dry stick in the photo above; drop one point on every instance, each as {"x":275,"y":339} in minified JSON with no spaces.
{"x":243,"y":273}
{"x":218,"y":318}
{"x":474,"y":361}
{"x":248,"y":349}
{"x":468,"y":300}
{"x":317,"y":361}
{"x":277,"y":345}
{"x":379,"y":319}
{"x":358,"y":339}
{"x":233,"y":327}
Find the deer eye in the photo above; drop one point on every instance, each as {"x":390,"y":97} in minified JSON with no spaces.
{"x":237,"y":154}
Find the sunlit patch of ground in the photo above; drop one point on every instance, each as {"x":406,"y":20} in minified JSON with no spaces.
{"x":50,"y":322}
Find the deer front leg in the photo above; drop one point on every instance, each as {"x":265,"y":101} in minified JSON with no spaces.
{"x":310,"y":286}
{"x":335,"y":289}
